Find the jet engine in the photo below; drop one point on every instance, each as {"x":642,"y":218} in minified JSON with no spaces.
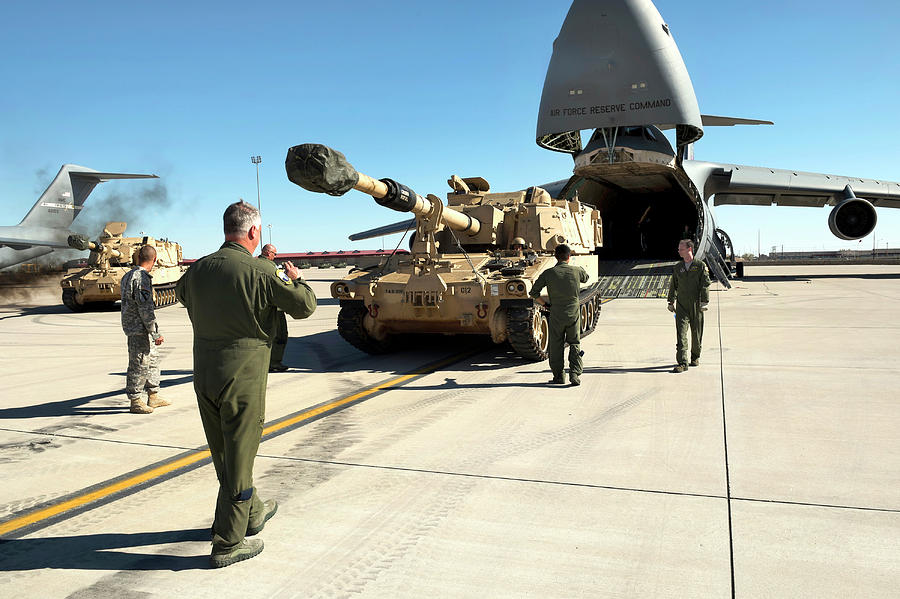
{"x":853,"y":217}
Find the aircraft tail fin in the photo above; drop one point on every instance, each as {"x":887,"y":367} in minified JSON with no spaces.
{"x":63,"y":199}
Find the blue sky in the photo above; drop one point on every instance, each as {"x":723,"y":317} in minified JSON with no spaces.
{"x":415,"y":91}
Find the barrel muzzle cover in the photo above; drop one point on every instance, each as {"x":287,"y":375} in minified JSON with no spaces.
{"x":79,"y":242}
{"x":320,"y":169}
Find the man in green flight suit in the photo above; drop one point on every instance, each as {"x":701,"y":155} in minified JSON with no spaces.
{"x":688,"y":299}
{"x":268,"y":254}
{"x":563,"y":282}
{"x":232,"y":300}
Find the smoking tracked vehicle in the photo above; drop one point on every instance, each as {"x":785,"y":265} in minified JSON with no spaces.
{"x":113,"y":255}
{"x":473,"y":261}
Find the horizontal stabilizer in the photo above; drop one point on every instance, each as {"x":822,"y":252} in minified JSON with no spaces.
{"x":729,"y":121}
{"x":109,"y":176}
{"x":385,"y":230}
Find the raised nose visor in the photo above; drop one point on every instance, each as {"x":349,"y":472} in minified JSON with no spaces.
{"x":615,"y":64}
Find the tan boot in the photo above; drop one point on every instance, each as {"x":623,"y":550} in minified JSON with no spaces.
{"x":155,"y":401}
{"x":139,"y":407}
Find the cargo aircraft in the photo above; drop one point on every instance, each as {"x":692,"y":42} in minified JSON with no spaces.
{"x":617,"y":74}
{"x":46,"y":226}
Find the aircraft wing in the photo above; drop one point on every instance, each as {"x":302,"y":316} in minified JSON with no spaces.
{"x":20,"y":243}
{"x":733,"y":184}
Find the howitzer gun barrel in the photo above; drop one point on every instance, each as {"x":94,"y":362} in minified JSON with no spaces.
{"x":320,"y":169}
{"x":81,"y":242}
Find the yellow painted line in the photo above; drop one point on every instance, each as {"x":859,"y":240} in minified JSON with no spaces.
{"x":335,"y":404}
{"x":122,"y":485}
{"x":100,"y":493}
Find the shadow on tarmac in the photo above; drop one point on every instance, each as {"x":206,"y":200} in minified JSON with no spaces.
{"x":870,"y":276}
{"x":667,"y":368}
{"x":77,"y":407}
{"x":92,"y":552}
{"x":450,"y":383}
{"x":36,"y":311}
{"x":328,"y":352}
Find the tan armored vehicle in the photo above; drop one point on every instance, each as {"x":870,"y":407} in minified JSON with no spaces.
{"x":465,"y":274}
{"x":113,"y":255}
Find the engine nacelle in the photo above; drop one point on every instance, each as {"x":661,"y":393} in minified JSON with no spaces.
{"x":853,"y":218}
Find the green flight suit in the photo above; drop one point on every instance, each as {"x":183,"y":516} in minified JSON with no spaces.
{"x":688,"y":290}
{"x":280,"y":334}
{"x":232,"y":301}
{"x":563,"y":282}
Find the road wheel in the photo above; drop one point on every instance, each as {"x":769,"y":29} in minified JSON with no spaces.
{"x":70,"y":301}
{"x":528,"y":331}
{"x":352,"y":327}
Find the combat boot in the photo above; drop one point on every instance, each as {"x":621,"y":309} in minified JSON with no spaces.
{"x":155,"y":401}
{"x":558,"y":379}
{"x":695,"y":362}
{"x":139,"y":407}
{"x":680,"y":368}
{"x":255,"y":525}
{"x":246,"y":549}
{"x":574,"y":380}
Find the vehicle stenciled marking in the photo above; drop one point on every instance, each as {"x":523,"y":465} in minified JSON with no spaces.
{"x":129,"y":483}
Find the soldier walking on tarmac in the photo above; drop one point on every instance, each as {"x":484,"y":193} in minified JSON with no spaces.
{"x":563,"y":282}
{"x":139,"y":324}
{"x":280,"y":335}
{"x":232,"y":299}
{"x":688,"y":299}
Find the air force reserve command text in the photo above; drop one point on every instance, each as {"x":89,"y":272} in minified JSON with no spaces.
{"x":610,"y":108}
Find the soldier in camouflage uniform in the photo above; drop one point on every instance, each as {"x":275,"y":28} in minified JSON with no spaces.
{"x":690,"y":289}
{"x":563,"y":282}
{"x":139,"y":324}
{"x":280,"y":335}
{"x":232,"y":299}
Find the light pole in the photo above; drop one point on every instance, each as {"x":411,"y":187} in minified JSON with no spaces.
{"x":256,"y":160}
{"x":270,"y":232}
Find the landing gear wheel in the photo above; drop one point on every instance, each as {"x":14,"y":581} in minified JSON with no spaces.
{"x":352,"y":327}
{"x":528,"y":331}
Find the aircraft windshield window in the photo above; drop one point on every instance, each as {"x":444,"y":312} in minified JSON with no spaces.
{"x":649,"y":134}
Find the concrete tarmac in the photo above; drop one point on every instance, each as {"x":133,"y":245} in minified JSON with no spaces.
{"x":772,"y":470}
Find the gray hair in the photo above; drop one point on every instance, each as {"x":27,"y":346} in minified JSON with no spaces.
{"x":239,"y":217}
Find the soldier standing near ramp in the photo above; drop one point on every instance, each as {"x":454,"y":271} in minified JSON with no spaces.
{"x":232,"y":299}
{"x":563,"y":282}
{"x":280,"y":336}
{"x":690,"y":287}
{"x":139,"y":324}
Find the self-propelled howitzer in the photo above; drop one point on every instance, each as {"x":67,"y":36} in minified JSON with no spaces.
{"x":473,"y":261}
{"x":113,"y":255}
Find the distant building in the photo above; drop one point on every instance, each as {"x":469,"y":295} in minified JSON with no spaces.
{"x":835,"y":254}
{"x":336,"y":259}
{"x":341,"y":258}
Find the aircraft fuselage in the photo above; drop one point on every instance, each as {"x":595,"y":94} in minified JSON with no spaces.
{"x":647,"y":201}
